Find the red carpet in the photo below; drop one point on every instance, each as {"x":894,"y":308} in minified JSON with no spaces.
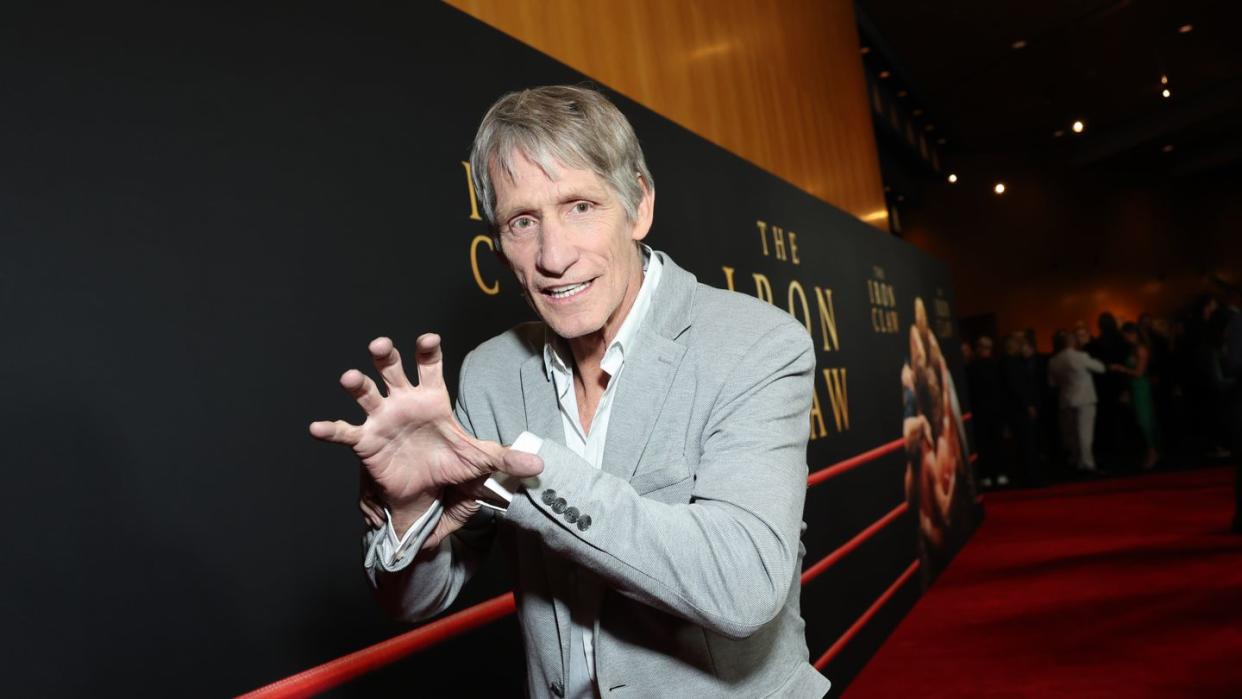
{"x":1129,"y":587}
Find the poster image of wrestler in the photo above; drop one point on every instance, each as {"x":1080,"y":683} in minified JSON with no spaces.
{"x":938,"y":485}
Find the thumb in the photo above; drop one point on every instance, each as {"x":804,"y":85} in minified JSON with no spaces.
{"x":521,"y":464}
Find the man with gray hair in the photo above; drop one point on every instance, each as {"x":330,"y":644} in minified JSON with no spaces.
{"x":640,"y":451}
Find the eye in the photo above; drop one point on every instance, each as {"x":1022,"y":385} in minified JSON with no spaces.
{"x":521,"y":223}
{"x":582,"y":207}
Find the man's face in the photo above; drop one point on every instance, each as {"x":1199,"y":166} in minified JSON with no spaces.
{"x":571,"y":246}
{"x":1082,"y":336}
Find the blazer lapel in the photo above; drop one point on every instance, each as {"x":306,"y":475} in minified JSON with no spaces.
{"x":648,"y":373}
{"x":543,"y":414}
{"x":644,"y":388}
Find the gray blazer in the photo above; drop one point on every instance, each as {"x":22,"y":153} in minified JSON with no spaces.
{"x":691,"y":529}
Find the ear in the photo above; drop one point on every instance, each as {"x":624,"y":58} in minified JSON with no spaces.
{"x":646,"y":210}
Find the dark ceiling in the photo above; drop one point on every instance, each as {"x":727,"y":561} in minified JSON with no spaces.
{"x":1100,"y":62}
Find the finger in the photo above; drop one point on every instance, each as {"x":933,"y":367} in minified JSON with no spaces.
{"x":388,"y":361}
{"x":370,"y":513}
{"x":363,"y":389}
{"x":521,"y":464}
{"x":430,"y":361}
{"x":336,"y":431}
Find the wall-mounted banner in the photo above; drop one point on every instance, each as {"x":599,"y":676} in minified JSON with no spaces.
{"x":208,"y":212}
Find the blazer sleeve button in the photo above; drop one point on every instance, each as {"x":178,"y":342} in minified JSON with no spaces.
{"x":571,"y":514}
{"x":584,"y":523}
{"x":549,"y":496}
{"x":558,"y":505}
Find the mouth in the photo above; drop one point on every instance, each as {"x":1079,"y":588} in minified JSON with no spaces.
{"x":565,"y":292}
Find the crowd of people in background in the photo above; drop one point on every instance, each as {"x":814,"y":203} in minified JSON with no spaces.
{"x":1134,"y":396}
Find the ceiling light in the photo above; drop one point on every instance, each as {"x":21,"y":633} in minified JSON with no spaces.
{"x":1168,"y":148}
{"x":865,"y":50}
{"x":884,"y":75}
{"x":902,"y":93}
{"x":917,"y":112}
{"x":1019,"y":44}
{"x":952,"y":177}
{"x":999,"y":188}
{"x":1165,"y":93}
{"x":942,"y":140}
{"x":929,"y":127}
{"x":1186,"y":29}
{"x":1058,"y":133}
{"x":1078,"y":126}
{"x":1164,"y":80}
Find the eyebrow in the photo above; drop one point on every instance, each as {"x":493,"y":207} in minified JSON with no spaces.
{"x":571,"y":196}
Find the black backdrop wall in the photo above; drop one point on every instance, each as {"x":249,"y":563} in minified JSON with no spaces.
{"x":205,"y":214}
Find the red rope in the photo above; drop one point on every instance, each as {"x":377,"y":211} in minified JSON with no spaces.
{"x":831,"y":559}
{"x":336,"y":672}
{"x":854,"y":462}
{"x":866,"y":617}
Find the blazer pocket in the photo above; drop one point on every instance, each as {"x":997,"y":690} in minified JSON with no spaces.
{"x":662,"y":479}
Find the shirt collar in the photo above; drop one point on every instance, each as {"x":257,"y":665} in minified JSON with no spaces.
{"x":614,"y":356}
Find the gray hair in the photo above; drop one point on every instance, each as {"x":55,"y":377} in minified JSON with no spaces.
{"x":574,"y":126}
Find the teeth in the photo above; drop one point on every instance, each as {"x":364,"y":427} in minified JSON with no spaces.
{"x":567,"y":291}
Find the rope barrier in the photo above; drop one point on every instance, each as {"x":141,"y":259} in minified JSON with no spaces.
{"x":842,"y":551}
{"x":333,"y":673}
{"x":854,"y":628}
{"x":854,"y":462}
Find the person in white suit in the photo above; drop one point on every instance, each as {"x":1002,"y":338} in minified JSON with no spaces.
{"x":1069,"y":371}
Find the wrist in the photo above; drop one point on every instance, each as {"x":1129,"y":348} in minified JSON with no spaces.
{"x":404,"y":514}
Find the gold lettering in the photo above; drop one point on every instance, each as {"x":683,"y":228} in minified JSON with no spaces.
{"x":778,"y":240}
{"x":474,"y":199}
{"x":827,"y":319}
{"x":763,"y":288}
{"x":474,"y":264}
{"x":818,"y":429}
{"x":728,"y":277}
{"x":837,"y":398}
{"x":793,"y":247}
{"x":794,"y":286}
{"x":763,"y":236}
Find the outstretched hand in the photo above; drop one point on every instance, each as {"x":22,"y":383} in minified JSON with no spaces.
{"x":410,"y":444}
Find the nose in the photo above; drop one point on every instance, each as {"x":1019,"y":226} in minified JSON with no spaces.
{"x":557,"y":251}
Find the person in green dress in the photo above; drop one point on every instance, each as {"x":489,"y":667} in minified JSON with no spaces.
{"x":1141,"y":399}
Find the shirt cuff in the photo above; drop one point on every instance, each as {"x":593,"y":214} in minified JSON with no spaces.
{"x":528,"y":442}
{"x":502,"y":485}
{"x":417,"y":531}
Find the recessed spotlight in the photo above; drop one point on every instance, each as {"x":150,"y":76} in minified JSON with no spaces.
{"x":999,"y":188}
{"x":1164,"y":80}
{"x":929,"y":127}
{"x":1078,"y":126}
{"x":1058,"y":133}
{"x":1019,"y":44}
{"x":1168,"y":148}
{"x":901,"y":197}
{"x":902,"y":93}
{"x":942,"y":140}
{"x":1186,"y":29}
{"x":1165,"y":93}
{"x":887,"y":188}
{"x":917,"y":112}
{"x":864,"y":50}
{"x":952,"y":177}
{"x":884,"y":74}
